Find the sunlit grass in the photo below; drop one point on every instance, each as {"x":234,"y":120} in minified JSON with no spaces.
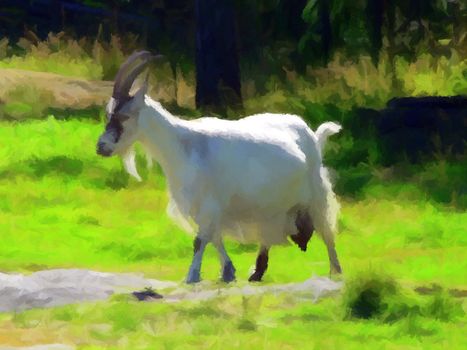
{"x":58,"y":63}
{"x":63,"y":206}
{"x":270,"y":322}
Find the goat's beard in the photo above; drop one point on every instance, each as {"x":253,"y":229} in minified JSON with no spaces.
{"x":129,"y":162}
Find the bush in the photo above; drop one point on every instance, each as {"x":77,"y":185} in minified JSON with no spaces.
{"x":367,"y":296}
{"x":343,"y":83}
{"x":57,"y":54}
{"x":433,"y":76}
{"x":372,"y":295}
{"x":25,"y":102}
{"x":84,"y":58}
{"x":347,"y":83}
{"x":108,"y":56}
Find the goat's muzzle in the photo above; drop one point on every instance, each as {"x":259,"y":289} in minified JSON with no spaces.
{"x":102,"y":150}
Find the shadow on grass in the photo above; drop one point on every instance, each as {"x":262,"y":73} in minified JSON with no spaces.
{"x":58,"y":165}
{"x":66,"y":167}
{"x":117,"y":179}
{"x":89,"y":113}
{"x":204,"y":311}
{"x":238,"y":248}
{"x":442,"y":182}
{"x":306,"y":317}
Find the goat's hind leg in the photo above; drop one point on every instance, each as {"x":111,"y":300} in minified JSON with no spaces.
{"x":334,"y":261}
{"x":261,"y":265}
{"x":335,"y":266}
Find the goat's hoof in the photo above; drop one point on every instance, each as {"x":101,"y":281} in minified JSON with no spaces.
{"x":337,"y":270}
{"x":228,"y":272}
{"x":193,"y":280}
{"x":194,"y":276}
{"x":256,"y":277}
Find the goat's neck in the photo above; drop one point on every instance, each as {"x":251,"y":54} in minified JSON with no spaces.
{"x":159,"y":131}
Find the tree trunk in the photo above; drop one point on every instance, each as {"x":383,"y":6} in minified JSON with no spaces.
{"x":390,"y":9}
{"x":324,"y":15}
{"x":217,"y":68}
{"x":375,"y":15}
{"x":114,"y":18}
{"x":295,"y":28}
{"x":55,"y":12}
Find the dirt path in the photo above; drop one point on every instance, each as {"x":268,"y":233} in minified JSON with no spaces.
{"x":66,"y":92}
{"x":67,"y":286}
{"x":313,"y":288}
{"x":50,"y":288}
{"x":40,"y":347}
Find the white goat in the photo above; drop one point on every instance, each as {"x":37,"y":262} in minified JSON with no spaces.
{"x":259,"y":179}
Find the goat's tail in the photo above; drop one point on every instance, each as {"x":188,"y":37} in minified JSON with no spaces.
{"x":324,"y":131}
{"x":324,"y":207}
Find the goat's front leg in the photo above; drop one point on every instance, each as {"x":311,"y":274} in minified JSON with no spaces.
{"x":261,"y":265}
{"x":194,"y":274}
{"x":228,"y":270}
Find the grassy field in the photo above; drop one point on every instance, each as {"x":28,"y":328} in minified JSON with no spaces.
{"x":62,"y":206}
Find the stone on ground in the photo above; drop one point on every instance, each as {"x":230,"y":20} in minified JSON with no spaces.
{"x":66,"y":286}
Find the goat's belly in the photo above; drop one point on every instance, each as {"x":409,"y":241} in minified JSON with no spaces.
{"x":268,"y":231}
{"x":252,"y":221}
{"x":257,"y":209}
{"x":249,"y":209}
{"x":269,"y":194}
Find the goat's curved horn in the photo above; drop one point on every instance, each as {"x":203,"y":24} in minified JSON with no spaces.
{"x":125,"y":78}
{"x":132,"y":75}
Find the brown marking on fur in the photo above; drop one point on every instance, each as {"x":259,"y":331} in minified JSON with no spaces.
{"x":261,"y":265}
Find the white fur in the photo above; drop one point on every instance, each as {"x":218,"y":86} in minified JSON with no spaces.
{"x":129,"y":163}
{"x":247,"y":178}
{"x":325,"y":130}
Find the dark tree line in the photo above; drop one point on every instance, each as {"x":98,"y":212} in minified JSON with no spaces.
{"x":266,"y":33}
{"x":217,"y":66}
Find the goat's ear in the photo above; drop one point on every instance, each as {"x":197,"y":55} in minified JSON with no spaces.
{"x":139,"y":95}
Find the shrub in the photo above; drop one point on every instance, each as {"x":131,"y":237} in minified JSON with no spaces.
{"x":434,"y":76}
{"x":347,"y":83}
{"x":375,"y":295}
{"x":108,"y":56}
{"x":25,"y":102}
{"x":368,"y":295}
{"x":57,"y":54}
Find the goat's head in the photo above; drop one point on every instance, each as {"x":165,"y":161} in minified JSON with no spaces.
{"x":123,"y":109}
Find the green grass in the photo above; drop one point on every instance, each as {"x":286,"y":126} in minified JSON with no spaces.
{"x":63,"y":206}
{"x":272,"y":322}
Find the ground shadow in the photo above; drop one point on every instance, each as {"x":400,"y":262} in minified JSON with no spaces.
{"x":59,"y":165}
